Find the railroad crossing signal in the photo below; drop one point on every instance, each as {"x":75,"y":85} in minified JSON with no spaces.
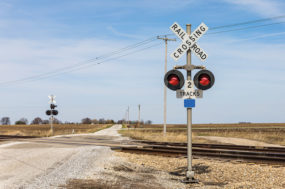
{"x":203,"y":80}
{"x":52,"y":112}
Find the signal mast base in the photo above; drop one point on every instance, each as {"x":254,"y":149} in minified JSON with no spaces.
{"x":190,"y":178}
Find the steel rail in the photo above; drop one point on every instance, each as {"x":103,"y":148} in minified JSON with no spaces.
{"x":231,"y":154}
{"x":218,"y":146}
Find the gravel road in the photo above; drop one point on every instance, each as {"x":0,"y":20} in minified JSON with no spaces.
{"x":38,"y":165}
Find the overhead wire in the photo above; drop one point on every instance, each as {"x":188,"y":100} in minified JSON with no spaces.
{"x":85,"y":65}
{"x":241,"y":24}
{"x":248,"y":22}
{"x":103,"y":61}
{"x":110,"y":54}
{"x":97,"y":60}
{"x":245,"y":28}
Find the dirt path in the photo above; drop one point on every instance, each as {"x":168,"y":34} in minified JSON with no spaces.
{"x":48,"y":165}
{"x":238,"y":141}
{"x":33,"y":165}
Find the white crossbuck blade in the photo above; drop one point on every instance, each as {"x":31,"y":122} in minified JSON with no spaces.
{"x":189,"y":41}
{"x":52,"y":97}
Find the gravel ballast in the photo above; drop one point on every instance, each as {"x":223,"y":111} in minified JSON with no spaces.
{"x":213,"y":173}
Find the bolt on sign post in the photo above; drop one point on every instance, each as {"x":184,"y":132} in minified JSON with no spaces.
{"x":203,"y":80}
{"x":52,"y":112}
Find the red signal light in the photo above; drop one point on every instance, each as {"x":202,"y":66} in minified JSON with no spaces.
{"x":48,"y":112}
{"x":173,"y":80}
{"x":204,"y":80}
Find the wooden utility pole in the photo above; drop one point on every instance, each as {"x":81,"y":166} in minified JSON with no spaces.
{"x":165,"y":70}
{"x":128,"y":115}
{"x":139,"y":118}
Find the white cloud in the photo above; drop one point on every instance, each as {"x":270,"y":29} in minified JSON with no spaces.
{"x":265,"y":8}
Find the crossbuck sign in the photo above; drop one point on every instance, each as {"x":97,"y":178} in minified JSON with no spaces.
{"x":52,"y":101}
{"x":189,"y":41}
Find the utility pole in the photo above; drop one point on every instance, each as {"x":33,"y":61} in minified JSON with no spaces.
{"x":139,"y":119}
{"x":128,"y":115}
{"x":165,"y":70}
{"x":125,"y":117}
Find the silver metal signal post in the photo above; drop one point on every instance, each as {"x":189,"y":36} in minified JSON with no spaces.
{"x":52,"y":101}
{"x":52,"y":112}
{"x":190,"y":172}
{"x":189,"y":43}
{"x":51,"y":124}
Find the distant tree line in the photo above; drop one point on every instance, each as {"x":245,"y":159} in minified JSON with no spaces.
{"x":24,"y":121}
{"x":87,"y":120}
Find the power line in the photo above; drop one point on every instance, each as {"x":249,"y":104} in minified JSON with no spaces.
{"x":93,"y":61}
{"x":77,"y":68}
{"x":247,"y":22}
{"x":87,"y":62}
{"x":243,"y":23}
{"x":245,"y":28}
{"x":107,"y":60}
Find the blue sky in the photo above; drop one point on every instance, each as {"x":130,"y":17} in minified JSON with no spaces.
{"x":38,"y":37}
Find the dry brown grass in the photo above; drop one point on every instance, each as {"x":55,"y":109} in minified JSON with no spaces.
{"x":158,"y":136}
{"x":45,"y":130}
{"x":219,"y":126}
{"x":276,"y":136}
{"x":273,"y":133}
{"x":91,"y":184}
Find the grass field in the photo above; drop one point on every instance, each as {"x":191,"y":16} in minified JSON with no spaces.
{"x":44,"y":130}
{"x":218,"y":126}
{"x":273,"y":133}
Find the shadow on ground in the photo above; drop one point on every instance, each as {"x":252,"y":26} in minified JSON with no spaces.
{"x":121,"y":176}
{"x":198,"y":169}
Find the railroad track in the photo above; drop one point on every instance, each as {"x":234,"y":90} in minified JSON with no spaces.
{"x":11,"y":137}
{"x":238,"y":152}
{"x":217,"y":146}
{"x":246,"y":153}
